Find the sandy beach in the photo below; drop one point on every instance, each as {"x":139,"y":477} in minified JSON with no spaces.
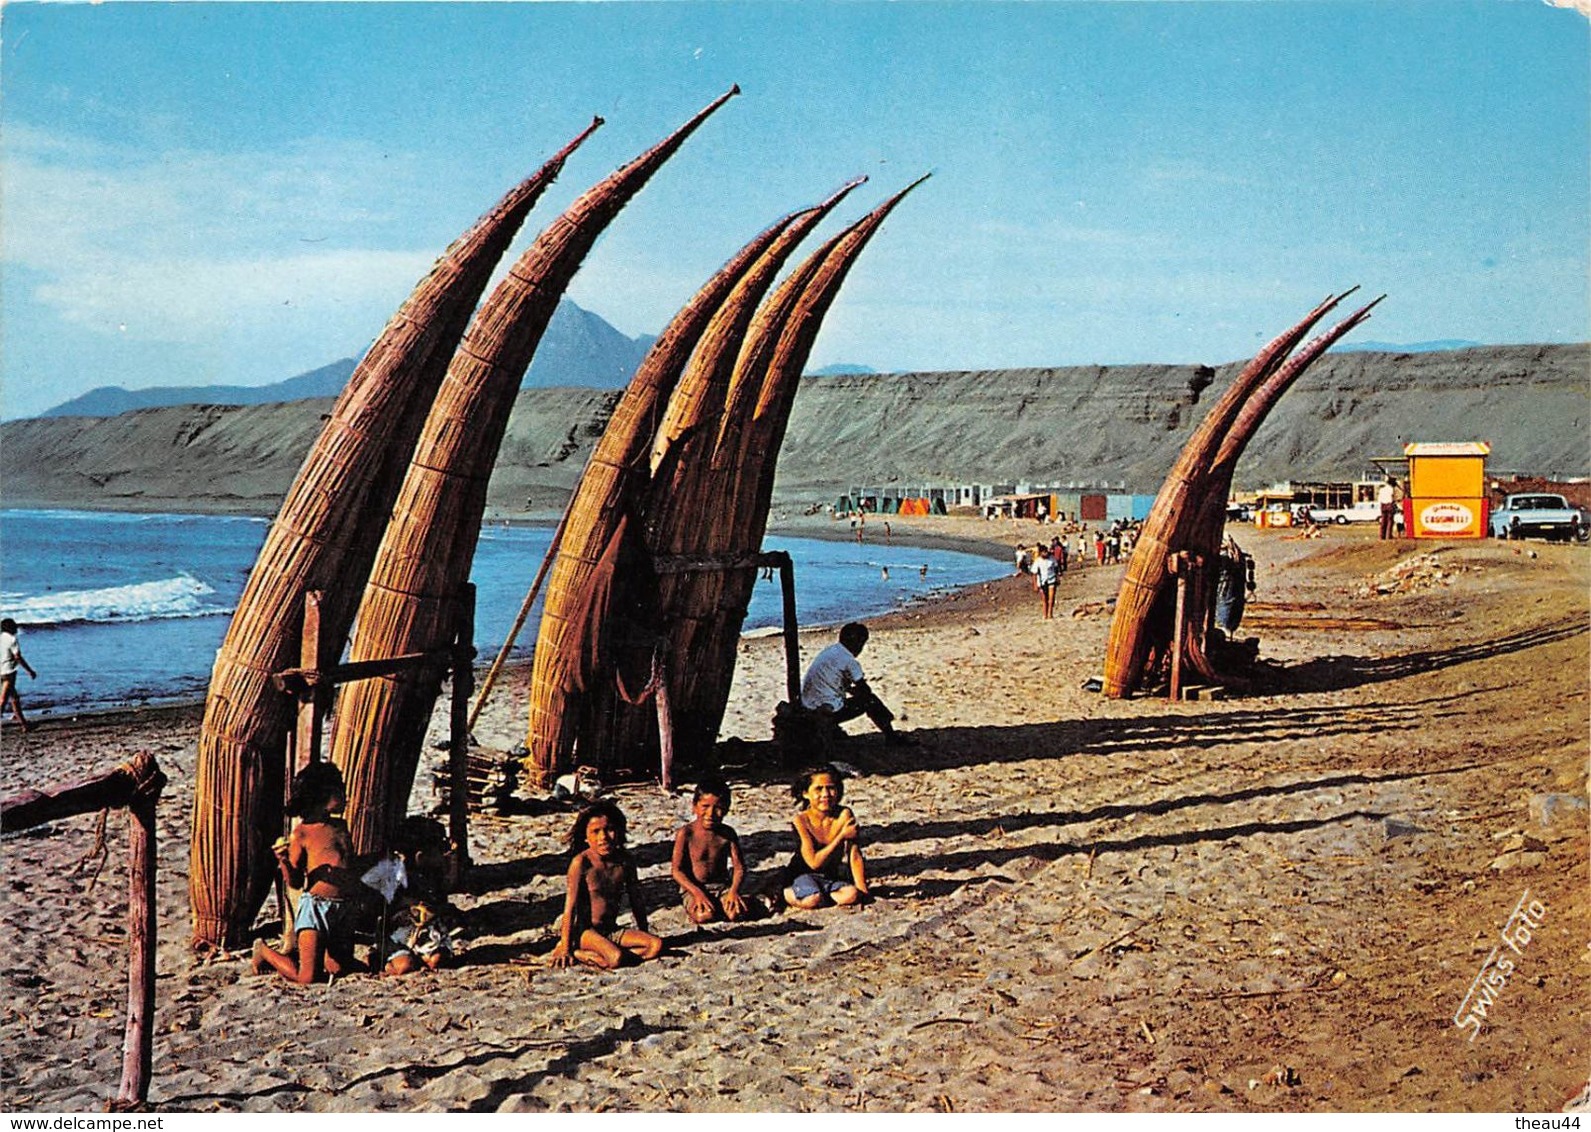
{"x":1268,"y":902}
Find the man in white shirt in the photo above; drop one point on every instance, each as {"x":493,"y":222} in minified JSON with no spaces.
{"x":1387,"y":497}
{"x":835,"y":687}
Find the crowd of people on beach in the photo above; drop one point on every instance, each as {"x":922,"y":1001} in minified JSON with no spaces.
{"x":826,"y":866}
{"x":1077,"y":545}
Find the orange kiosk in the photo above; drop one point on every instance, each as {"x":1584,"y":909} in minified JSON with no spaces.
{"x":1446,"y":495}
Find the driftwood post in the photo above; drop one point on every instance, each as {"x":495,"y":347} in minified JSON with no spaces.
{"x":1179,"y":627}
{"x":138,"y":1043}
{"x":135,"y":784}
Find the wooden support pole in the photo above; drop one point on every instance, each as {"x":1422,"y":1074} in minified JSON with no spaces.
{"x":459,"y":725}
{"x":138,"y":1044}
{"x":284,"y":903}
{"x":792,"y":631}
{"x":665,"y":721}
{"x":1179,"y":563}
{"x":135,"y":784}
{"x":309,"y":714}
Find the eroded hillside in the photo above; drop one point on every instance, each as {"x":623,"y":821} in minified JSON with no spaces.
{"x":1119,"y":426}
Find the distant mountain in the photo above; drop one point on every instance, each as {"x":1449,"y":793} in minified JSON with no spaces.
{"x":1072,"y":424}
{"x":580,"y":349}
{"x":840,"y":369}
{"x":113,"y":400}
{"x":1407,"y":347}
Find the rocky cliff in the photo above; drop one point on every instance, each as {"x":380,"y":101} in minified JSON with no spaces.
{"x":1117,"y":426}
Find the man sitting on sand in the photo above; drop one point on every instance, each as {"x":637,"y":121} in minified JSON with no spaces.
{"x":836,"y":690}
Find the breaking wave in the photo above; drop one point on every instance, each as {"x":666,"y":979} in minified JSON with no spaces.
{"x":182,"y":596}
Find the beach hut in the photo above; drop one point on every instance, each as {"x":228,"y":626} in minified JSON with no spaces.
{"x":1092,"y":508}
{"x":1446,"y":496}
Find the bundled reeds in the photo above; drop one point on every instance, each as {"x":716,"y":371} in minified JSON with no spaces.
{"x":1205,"y":534}
{"x":428,"y":548}
{"x":324,"y":539}
{"x":1179,"y":523}
{"x":683,"y":518}
{"x":706,"y":616}
{"x":598,"y":517}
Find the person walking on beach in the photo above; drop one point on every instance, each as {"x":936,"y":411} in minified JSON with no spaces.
{"x":11,"y":659}
{"x":1045,"y":578}
{"x":835,"y":688}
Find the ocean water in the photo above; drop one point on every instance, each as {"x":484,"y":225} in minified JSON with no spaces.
{"x":117,"y":610}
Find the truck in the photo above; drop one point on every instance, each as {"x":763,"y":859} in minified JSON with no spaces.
{"x":1540,"y":514}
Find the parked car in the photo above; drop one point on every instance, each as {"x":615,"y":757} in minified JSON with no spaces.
{"x":1358,"y":513}
{"x":1545,"y":516}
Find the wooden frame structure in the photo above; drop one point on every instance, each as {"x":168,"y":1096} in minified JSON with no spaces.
{"x":313,"y":687}
{"x":136,"y":784}
{"x":771,"y":560}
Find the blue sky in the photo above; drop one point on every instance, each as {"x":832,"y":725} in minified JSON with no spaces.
{"x":234,"y":193}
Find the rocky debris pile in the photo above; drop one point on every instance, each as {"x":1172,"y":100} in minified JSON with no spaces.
{"x":1420,"y":572}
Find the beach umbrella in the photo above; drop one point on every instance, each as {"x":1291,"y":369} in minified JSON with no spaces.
{"x":410,"y":602}
{"x":324,"y":538}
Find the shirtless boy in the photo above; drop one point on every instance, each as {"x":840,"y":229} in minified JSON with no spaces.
{"x":319,"y":857}
{"x":600,"y":875}
{"x":707,"y":864}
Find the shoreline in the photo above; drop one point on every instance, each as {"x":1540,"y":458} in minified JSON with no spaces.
{"x":950,"y":537}
{"x":1083,"y":904}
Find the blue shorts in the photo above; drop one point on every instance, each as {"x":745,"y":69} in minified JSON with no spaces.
{"x":324,"y":914}
{"x":810,"y":884}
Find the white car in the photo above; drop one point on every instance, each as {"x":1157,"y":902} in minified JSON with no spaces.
{"x":1358,"y":513}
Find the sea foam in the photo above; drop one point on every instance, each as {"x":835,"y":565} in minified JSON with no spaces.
{"x":182,"y":596}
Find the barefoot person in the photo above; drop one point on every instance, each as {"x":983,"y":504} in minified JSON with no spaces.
{"x":11,"y":659}
{"x":827,"y":867}
{"x":600,"y":875}
{"x":1045,"y":578}
{"x":707,"y":864}
{"x":319,"y":857}
{"x":835,"y":687}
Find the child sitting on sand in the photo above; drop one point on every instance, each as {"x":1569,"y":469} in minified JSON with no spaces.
{"x":427,"y":923}
{"x":599,"y":876}
{"x":707,"y":864}
{"x":827,"y":867}
{"x":318,"y":857}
